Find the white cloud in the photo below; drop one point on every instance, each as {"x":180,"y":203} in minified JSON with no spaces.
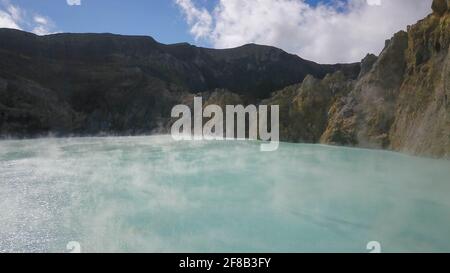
{"x":38,"y":19}
{"x":200,"y":20}
{"x":12,"y":16}
{"x":42,"y":25}
{"x":6,"y":21}
{"x":74,"y":2}
{"x":15,"y":12}
{"x":374,"y":2}
{"x":331,"y":33}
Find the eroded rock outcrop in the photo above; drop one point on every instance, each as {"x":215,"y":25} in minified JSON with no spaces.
{"x":305,"y":107}
{"x":402,"y":103}
{"x":422,"y":120}
{"x":440,"y":6}
{"x":364,"y":117}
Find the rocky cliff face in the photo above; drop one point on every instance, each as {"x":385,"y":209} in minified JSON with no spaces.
{"x":402,"y":102}
{"x":422,"y":117}
{"x":365,"y":115}
{"x":304,"y":108}
{"x":89,"y":84}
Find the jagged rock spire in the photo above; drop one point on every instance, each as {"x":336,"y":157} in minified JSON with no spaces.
{"x":440,"y":6}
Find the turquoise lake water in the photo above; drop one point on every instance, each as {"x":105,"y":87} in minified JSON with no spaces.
{"x":151,"y":194}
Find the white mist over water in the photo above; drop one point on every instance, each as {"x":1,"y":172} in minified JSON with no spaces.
{"x":151,"y":194}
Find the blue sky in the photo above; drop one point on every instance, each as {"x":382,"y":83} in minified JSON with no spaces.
{"x":320,"y":30}
{"x":160,"y":19}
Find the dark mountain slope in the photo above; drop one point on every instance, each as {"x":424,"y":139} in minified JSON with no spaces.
{"x":250,"y":70}
{"x":105,"y":83}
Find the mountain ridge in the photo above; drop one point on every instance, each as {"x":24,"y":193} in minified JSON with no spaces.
{"x":107,"y":83}
{"x":95,"y":84}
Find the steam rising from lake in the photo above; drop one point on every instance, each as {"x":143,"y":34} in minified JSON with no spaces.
{"x":151,"y":194}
